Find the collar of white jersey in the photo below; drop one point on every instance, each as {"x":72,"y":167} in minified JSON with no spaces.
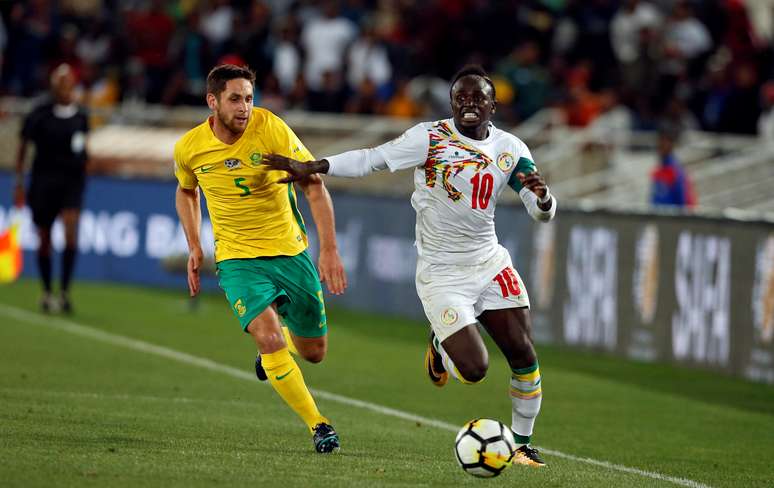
{"x":490,"y":134}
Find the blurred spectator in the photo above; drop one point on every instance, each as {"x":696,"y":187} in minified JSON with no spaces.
{"x":272,"y":97}
{"x":766,"y":120}
{"x":629,"y":43}
{"x":401,"y":103}
{"x":98,"y":89}
{"x":64,"y":52}
{"x":94,"y":46}
{"x":712,"y":95}
{"x":365,"y":100}
{"x":582,"y":105}
{"x":368,"y":60}
{"x":217,"y":24}
{"x":742,"y":108}
{"x":676,"y":118}
{"x":330,"y":97}
{"x":3,"y":43}
{"x":287,"y":59}
{"x":30,"y":27}
{"x":149,"y":32}
{"x":253,"y":37}
{"x":528,"y":79}
{"x":669,"y":183}
{"x":576,"y":54}
{"x":325,"y":40}
{"x":190,"y":56}
{"x":686,"y":40}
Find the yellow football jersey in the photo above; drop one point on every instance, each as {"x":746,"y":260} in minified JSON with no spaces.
{"x":252,"y":215}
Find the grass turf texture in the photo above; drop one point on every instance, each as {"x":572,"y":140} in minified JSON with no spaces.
{"x":78,"y":412}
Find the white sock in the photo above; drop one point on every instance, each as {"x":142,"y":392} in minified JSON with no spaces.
{"x":526,"y":397}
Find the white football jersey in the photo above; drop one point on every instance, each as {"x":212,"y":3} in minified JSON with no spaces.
{"x":456,"y":184}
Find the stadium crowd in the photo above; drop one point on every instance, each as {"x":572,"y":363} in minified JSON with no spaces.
{"x":681,"y":64}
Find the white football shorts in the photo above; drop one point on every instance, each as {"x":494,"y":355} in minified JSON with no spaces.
{"x":453,"y":295}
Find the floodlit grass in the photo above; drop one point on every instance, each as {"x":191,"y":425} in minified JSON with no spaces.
{"x":80,"y":411}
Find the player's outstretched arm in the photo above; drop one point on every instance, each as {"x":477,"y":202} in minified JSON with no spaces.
{"x":296,"y":169}
{"x":190,"y":214}
{"x":329,"y":263}
{"x":350,"y":164}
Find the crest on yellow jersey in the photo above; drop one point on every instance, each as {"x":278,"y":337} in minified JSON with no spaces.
{"x":232,"y":164}
{"x":255,"y":158}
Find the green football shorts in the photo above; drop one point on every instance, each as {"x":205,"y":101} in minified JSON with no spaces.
{"x":292,"y":282}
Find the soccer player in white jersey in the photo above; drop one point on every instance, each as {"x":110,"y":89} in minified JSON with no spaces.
{"x":464,"y":276}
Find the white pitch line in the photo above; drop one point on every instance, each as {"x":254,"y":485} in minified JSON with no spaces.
{"x":147,"y":347}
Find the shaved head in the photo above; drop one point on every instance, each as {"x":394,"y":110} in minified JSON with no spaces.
{"x":63,"y":83}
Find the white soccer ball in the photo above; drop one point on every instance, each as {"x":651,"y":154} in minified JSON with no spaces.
{"x":484,"y":447}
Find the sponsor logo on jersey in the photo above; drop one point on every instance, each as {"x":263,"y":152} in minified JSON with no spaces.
{"x":449,"y":316}
{"x":232,"y":164}
{"x":240,"y":308}
{"x":255,"y":159}
{"x":505,"y":161}
{"x":207,"y":168}
{"x":763,"y":291}
{"x":645,"y":279}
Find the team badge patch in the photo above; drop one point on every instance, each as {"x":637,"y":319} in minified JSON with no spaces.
{"x":232,"y":164}
{"x":505,"y":161}
{"x":449,"y":316}
{"x":240,"y":308}
{"x":255,"y":158}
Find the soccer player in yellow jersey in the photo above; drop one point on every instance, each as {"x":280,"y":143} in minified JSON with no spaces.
{"x":260,"y":238}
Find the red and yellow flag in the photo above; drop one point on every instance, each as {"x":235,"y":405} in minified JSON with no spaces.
{"x":10,"y":252}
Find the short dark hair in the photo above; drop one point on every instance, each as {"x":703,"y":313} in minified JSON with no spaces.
{"x":475,"y":70}
{"x":220,"y":75}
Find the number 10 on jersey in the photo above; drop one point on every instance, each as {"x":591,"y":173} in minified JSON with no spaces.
{"x":483,"y":184}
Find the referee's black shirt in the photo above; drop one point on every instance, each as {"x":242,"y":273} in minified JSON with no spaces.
{"x":60,"y":140}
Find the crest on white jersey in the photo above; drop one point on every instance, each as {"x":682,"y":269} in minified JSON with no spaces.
{"x":505,"y":161}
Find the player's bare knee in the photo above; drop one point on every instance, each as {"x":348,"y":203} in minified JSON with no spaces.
{"x":314,"y":354}
{"x":473,"y":372}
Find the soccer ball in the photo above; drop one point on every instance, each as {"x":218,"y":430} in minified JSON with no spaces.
{"x":484,"y":447}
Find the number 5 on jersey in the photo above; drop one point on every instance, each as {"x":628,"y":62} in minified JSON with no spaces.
{"x":245,"y":189}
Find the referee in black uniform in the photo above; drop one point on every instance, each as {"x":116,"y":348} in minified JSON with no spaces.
{"x":58,"y":129}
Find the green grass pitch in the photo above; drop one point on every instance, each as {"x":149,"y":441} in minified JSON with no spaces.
{"x":136,"y":389}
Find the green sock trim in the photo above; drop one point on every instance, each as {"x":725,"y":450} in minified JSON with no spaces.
{"x":521,"y":439}
{"x":528,"y":369}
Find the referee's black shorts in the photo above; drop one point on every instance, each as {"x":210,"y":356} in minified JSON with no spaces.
{"x":48,"y":195}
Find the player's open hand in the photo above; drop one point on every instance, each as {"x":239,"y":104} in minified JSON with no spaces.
{"x":195,"y":259}
{"x":534,"y":182}
{"x":332,"y":271}
{"x":296,"y":169}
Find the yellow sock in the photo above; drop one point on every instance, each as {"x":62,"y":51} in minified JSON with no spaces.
{"x":286,"y":378}
{"x":289,"y":340}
